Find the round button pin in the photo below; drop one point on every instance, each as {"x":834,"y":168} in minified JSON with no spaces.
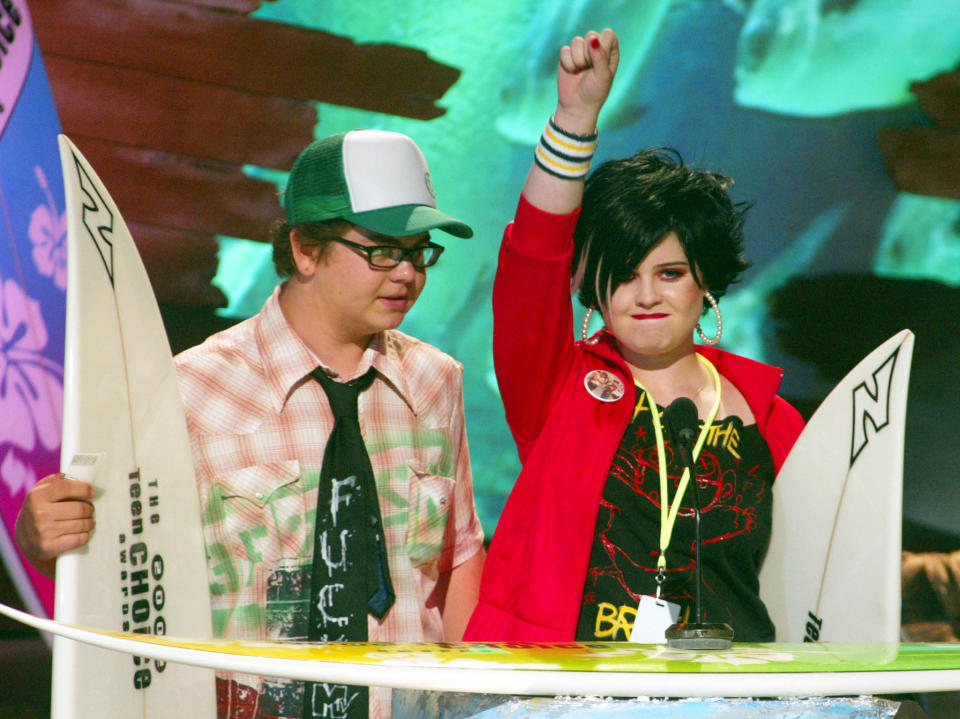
{"x":604,"y":385}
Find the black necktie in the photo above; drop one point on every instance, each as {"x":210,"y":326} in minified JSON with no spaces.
{"x":350,"y":574}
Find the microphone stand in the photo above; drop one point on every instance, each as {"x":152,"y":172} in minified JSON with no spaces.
{"x":698,"y":635}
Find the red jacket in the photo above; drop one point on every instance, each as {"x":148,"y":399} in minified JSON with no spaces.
{"x":533,"y":578}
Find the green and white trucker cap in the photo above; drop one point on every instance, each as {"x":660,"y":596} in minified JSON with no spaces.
{"x":373,"y":178}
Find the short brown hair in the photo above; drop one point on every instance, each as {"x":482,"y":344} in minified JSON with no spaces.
{"x":318,"y":234}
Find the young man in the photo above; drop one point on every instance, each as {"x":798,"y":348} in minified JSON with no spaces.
{"x":313,"y":531}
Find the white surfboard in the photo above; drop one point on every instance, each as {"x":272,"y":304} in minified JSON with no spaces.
{"x":832,"y":572}
{"x":567,"y":669}
{"x":144,"y":569}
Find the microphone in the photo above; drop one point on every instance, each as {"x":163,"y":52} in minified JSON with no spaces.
{"x":680,"y":418}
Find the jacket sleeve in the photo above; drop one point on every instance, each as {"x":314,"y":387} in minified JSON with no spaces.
{"x":533,"y":344}
{"x":785,"y":425}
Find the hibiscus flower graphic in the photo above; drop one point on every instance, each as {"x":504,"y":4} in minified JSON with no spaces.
{"x":31,"y":385}
{"x":48,"y":233}
{"x":16,"y":473}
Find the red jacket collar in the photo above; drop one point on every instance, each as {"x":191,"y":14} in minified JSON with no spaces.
{"x":757,"y":382}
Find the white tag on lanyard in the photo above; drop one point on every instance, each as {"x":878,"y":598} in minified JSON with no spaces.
{"x":654,"y":616}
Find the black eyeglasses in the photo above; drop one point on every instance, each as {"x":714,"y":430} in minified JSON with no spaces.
{"x":384,"y":257}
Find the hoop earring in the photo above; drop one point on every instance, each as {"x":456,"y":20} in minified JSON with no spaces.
{"x":716,"y":311}
{"x":583,"y":328}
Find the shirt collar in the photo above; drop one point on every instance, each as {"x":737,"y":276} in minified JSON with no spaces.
{"x":757,"y":382}
{"x":288,"y":361}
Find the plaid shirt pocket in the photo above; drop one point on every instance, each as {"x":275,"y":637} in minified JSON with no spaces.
{"x":430,"y":499}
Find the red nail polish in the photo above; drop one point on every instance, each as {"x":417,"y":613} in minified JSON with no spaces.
{"x":594,"y":42}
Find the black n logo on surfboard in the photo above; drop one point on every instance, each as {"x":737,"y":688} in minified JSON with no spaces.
{"x":872,"y":405}
{"x":97,"y":217}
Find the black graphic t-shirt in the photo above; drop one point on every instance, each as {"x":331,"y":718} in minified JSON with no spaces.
{"x":735,"y":474}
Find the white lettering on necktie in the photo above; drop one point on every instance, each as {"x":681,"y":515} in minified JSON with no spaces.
{"x":325,"y":600}
{"x":338,"y":496}
{"x":332,"y":701}
{"x":333,"y":565}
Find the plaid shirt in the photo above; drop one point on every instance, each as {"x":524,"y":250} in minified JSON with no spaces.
{"x":258,"y":428}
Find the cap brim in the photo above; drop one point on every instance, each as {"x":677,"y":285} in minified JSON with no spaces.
{"x":406,"y":220}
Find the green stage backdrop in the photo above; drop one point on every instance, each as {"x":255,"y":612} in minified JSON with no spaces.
{"x":787,"y":96}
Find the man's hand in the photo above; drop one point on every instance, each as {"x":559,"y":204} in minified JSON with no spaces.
{"x":56,"y":516}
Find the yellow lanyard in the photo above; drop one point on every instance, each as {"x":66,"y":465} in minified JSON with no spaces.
{"x":668,"y":512}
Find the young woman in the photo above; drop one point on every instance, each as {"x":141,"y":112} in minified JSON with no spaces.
{"x":601,"y":515}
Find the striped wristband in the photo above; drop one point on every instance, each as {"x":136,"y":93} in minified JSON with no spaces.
{"x":563,"y":154}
